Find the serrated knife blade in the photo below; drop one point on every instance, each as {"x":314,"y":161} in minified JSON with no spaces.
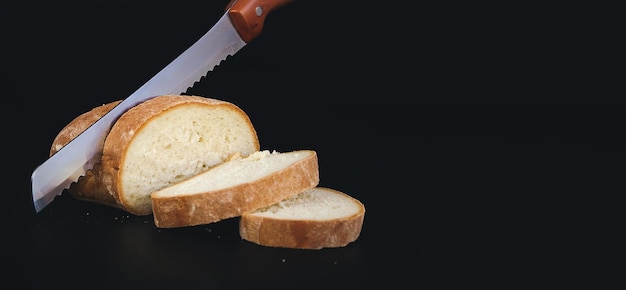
{"x":242,"y":21}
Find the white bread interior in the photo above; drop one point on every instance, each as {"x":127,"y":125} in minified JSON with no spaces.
{"x":313,"y":204}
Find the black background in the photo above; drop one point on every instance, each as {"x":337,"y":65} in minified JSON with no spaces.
{"x":485,"y":140}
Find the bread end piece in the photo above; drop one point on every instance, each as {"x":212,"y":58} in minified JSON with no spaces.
{"x":90,"y":186}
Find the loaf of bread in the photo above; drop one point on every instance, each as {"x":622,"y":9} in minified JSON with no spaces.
{"x":314,"y":219}
{"x":191,"y":160}
{"x":157,"y":143}
{"x":235,"y":187}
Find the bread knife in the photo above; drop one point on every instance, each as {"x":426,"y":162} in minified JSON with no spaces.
{"x":241,"y":22}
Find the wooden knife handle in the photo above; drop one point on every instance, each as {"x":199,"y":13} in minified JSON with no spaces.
{"x":248,"y":16}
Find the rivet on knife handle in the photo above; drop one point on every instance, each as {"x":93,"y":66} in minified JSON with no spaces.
{"x":248,"y":16}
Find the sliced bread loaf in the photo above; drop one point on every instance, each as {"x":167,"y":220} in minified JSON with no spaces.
{"x":316,"y":218}
{"x":235,"y":187}
{"x":157,"y":143}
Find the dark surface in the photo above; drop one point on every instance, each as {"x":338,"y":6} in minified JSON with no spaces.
{"x":485,"y":140}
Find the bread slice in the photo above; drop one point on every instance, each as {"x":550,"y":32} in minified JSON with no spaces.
{"x":157,"y":143}
{"x":235,"y":187}
{"x":314,"y":219}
